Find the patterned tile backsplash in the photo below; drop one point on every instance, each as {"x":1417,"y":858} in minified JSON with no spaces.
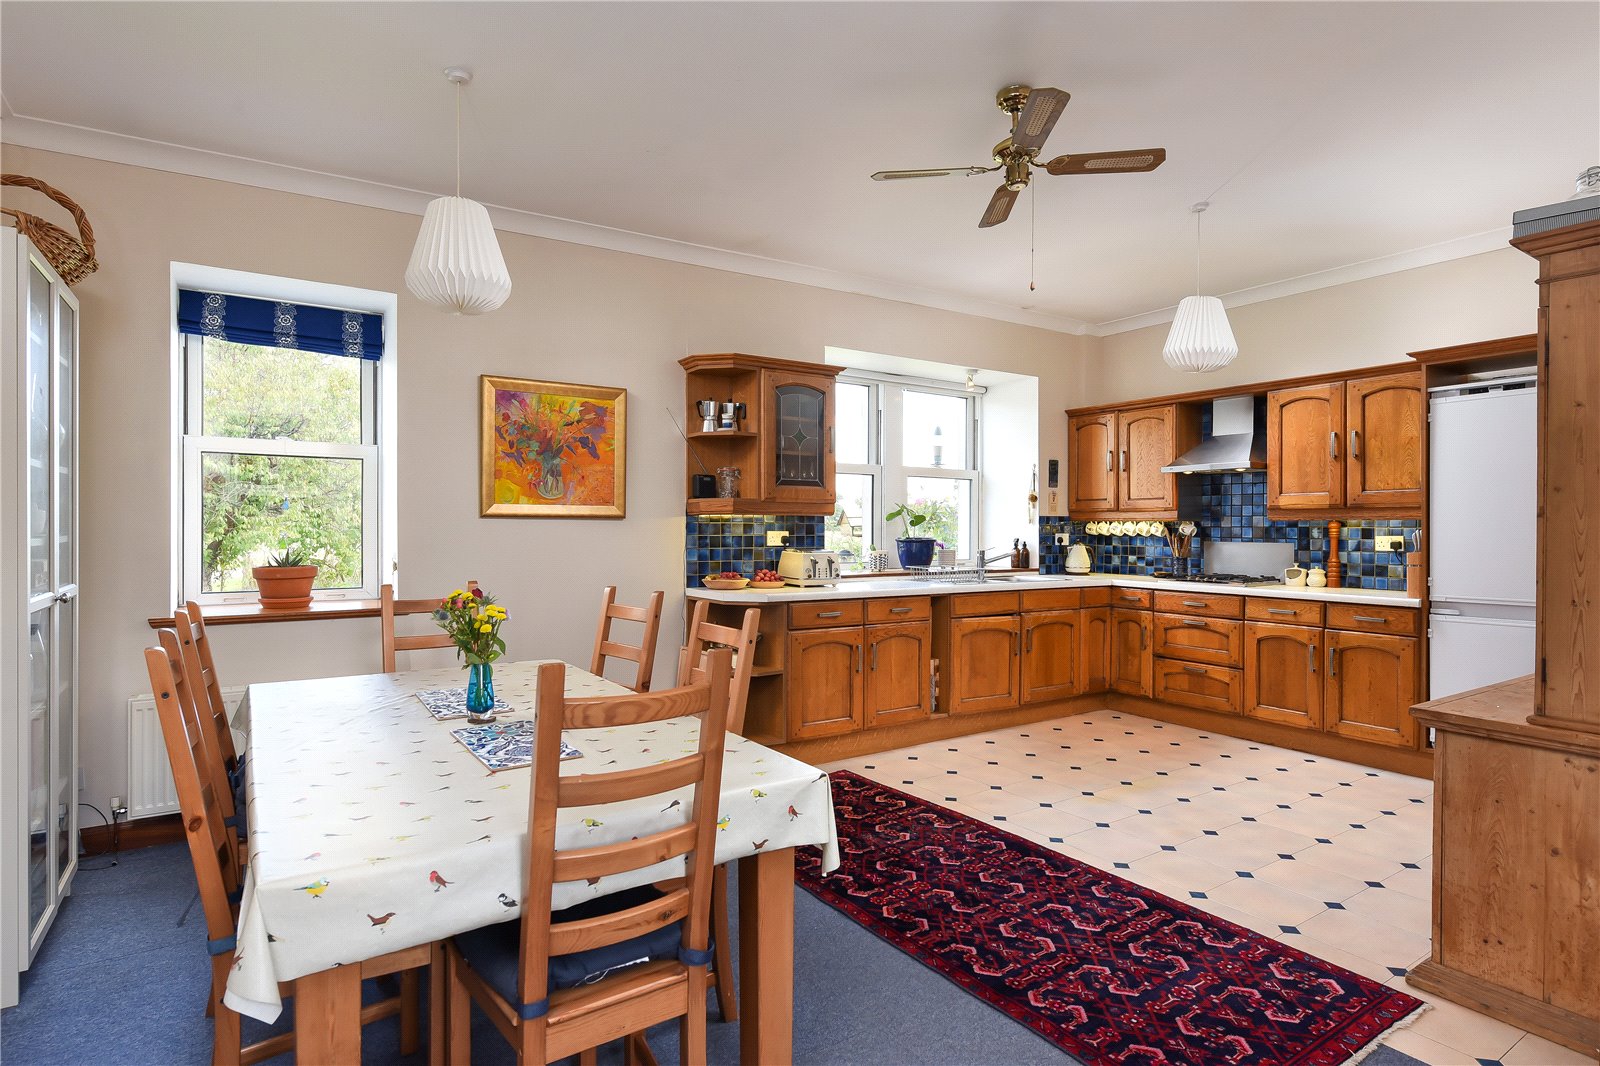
{"x":1233,"y":507}
{"x":715,"y":544}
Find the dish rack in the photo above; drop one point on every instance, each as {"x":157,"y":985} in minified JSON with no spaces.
{"x":951,"y":575}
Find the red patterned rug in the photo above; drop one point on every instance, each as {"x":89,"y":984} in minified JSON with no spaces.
{"x":1108,"y":970}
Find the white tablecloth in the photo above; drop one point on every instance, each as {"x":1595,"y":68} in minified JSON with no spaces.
{"x":372,"y":829}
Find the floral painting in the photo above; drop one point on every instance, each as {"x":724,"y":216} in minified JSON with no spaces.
{"x":552,"y":449}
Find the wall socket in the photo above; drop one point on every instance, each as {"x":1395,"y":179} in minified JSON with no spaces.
{"x":777,"y":538}
{"x":1389,"y":544}
{"x":1063,"y":538}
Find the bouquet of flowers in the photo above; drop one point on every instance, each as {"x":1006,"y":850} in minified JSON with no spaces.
{"x":472,"y":620}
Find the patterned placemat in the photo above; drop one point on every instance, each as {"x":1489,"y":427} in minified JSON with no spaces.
{"x":447,"y":703}
{"x":506,"y":745}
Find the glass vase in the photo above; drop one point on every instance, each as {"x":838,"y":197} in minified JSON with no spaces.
{"x":480,"y":692}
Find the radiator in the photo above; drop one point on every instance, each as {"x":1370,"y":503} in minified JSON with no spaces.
{"x":150,"y":788}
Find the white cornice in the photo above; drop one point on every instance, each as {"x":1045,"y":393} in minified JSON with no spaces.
{"x":1459,"y":248}
{"x":158,"y":155}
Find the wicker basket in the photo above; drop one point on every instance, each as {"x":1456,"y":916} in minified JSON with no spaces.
{"x":73,"y":257}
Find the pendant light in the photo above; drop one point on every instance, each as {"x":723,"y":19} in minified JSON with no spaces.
{"x":1201,"y":339}
{"x":456,"y":263}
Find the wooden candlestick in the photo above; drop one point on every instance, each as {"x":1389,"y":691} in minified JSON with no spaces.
{"x":1335,"y":572}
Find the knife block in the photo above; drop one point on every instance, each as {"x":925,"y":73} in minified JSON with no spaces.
{"x":1416,"y":563}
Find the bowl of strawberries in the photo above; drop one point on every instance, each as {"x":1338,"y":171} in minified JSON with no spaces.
{"x":727,"y":581}
{"x":766,"y":579}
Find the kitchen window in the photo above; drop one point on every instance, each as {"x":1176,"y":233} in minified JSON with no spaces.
{"x":904,"y":441}
{"x":283,"y":446}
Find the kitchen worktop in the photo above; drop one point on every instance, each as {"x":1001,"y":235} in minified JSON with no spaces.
{"x":872,"y":588}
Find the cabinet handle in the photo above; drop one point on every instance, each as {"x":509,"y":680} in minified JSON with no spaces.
{"x":1355,"y":444}
{"x":1370,"y":618}
{"x":829,"y":614}
{"x":1333,"y":662}
{"x":1311,"y":656}
{"x":1195,"y":622}
{"x":1124,"y":459}
{"x":1195,"y":603}
{"x":1194,"y":669}
{"x":899,"y":610}
{"x":1013,"y":645}
{"x":855,"y":656}
{"x":1144,"y":637}
{"x":1028,"y":647}
{"x":875,"y":656}
{"x":1111,"y":461}
{"x":1130,"y":598}
{"x":1333,"y":445}
{"x":1281,"y":610}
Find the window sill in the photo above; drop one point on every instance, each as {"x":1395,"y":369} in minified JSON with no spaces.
{"x":234,"y":614}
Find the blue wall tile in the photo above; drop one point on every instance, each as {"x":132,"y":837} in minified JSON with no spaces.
{"x":713,"y":544}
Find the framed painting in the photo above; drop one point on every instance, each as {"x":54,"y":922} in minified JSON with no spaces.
{"x":552,"y":450}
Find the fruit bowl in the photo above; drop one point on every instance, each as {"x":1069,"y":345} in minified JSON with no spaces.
{"x":725,"y":584}
{"x":778,"y":584}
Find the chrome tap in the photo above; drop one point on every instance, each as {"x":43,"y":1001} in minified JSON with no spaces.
{"x":983,"y":557}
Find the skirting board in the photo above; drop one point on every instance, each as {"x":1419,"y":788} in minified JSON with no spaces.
{"x":1535,"y":1015}
{"x":938,"y":727}
{"x":143,"y":833}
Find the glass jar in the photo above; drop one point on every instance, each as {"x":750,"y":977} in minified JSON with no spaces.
{"x":728,"y":482}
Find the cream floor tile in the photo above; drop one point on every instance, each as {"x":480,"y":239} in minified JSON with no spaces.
{"x":1396,"y":908}
{"x":1271,"y":903}
{"x":1409,"y":1042}
{"x":1367,"y":937}
{"x":1537,"y":1051}
{"x":1271,"y":840}
{"x":1048,"y":822}
{"x":1456,"y":1027}
{"x":1337,"y":955}
{"x":1413,"y":882}
{"x":1111,"y":844}
{"x":1310,"y":880}
{"x":1187,"y":872}
{"x":1348,"y":861}
{"x":1398,"y":844}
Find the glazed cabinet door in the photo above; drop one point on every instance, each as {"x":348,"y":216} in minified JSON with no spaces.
{"x":824,"y":686}
{"x":897,"y":673}
{"x":983,"y":667}
{"x":1283,"y":674}
{"x":1145,"y":445}
{"x":1132,"y":657}
{"x":1092,"y":464}
{"x":1094,"y":649}
{"x":1049,"y":655}
{"x":1305,"y":447}
{"x":1370,"y":686}
{"x":1386,"y":418}
{"x":797,"y":460}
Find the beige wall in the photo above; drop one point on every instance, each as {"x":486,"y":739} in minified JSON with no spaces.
{"x":1363,"y":323}
{"x":576,"y":314}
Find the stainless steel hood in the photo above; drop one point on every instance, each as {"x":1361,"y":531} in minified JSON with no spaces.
{"x":1238,"y":439}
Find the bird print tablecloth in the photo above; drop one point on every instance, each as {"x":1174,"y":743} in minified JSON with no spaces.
{"x":372,"y":829}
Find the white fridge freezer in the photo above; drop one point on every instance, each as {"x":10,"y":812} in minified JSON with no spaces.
{"x":1483,"y":462}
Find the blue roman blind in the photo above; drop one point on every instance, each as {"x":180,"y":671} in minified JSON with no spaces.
{"x":246,"y":320}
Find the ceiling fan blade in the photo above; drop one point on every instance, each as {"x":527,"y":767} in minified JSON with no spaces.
{"x":1039,"y":117}
{"x":932,"y":172}
{"x":999,"y":208}
{"x":1134,"y":161}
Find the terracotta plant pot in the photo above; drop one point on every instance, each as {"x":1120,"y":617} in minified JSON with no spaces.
{"x":285,"y":588}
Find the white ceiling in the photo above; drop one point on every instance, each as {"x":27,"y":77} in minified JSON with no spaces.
{"x":1337,"y":133}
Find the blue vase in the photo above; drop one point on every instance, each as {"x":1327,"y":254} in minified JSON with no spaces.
{"x":915,"y":551}
{"x":480,"y":690}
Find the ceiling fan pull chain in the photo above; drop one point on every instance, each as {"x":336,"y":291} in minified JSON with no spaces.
{"x":1033,"y":204}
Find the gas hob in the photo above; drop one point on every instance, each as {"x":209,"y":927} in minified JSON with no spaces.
{"x":1247,"y":580}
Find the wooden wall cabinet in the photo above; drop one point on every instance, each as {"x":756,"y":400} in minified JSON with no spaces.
{"x":1132,"y":658}
{"x":982,"y":668}
{"x":1370,"y":685}
{"x":1115,"y":459}
{"x":897,"y":685}
{"x":1050,"y":651}
{"x":825,"y":688}
{"x":1283,"y":674}
{"x":1347,"y":445}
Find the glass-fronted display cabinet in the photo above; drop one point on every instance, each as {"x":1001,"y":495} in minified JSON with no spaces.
{"x":799,"y":448}
{"x":38,"y":598}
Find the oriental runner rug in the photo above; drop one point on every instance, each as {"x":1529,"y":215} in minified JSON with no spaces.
{"x":1107,"y":970}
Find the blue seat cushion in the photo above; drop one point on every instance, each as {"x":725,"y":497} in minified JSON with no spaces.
{"x":494,"y":952}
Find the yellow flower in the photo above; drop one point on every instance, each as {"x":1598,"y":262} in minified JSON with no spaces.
{"x":485,"y":628}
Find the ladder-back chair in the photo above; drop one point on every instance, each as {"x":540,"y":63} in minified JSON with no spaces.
{"x":644,"y":656}
{"x":391,"y":609}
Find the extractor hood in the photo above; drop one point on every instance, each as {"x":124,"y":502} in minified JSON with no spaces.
{"x":1238,"y":439}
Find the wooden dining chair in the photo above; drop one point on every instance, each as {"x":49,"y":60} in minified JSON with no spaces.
{"x":197,"y":721}
{"x":218,"y":877}
{"x":190,"y":626}
{"x":391,"y":609}
{"x":644,"y":656}
{"x":561,"y":984}
{"x":703,"y":636}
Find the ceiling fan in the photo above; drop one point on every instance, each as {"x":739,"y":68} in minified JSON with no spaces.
{"x":1033,"y":115}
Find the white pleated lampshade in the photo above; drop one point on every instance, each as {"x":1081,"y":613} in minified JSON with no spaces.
{"x":1201,"y":339}
{"x":456,"y":263}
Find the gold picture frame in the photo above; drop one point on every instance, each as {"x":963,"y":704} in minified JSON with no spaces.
{"x":551,"y":449}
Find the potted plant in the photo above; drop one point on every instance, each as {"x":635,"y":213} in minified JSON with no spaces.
{"x":914,"y":551}
{"x":284,"y":583}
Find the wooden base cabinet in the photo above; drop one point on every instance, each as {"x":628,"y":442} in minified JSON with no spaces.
{"x":1094,"y":649}
{"x":897,"y":684}
{"x":1132,"y":658}
{"x":825,"y":688}
{"x":982,"y":667}
{"x":1208,"y":688}
{"x":1370,"y":686}
{"x":1049,"y":656}
{"x":1282,"y":674}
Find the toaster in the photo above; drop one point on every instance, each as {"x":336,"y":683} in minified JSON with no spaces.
{"x":804,"y":568}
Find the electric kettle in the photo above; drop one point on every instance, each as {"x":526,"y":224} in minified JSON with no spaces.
{"x":1078,"y":561}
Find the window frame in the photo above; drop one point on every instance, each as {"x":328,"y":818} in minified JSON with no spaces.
{"x":377,"y":452}
{"x":885,"y":405}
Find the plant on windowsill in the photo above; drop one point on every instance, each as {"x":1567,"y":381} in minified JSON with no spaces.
{"x":914,"y":551}
{"x":284,"y":583}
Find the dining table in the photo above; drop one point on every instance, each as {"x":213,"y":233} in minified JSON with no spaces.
{"x":373,"y":828}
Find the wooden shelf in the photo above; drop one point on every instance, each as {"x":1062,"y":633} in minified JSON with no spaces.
{"x":233,"y":614}
{"x":741,"y":505}
{"x":732,"y":434}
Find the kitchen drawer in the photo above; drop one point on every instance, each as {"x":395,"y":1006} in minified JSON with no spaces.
{"x":1209,"y":688}
{"x":1203,"y":603}
{"x":1131,"y":599}
{"x":1286,"y":612}
{"x":1097,"y":596}
{"x":1052,"y":599}
{"x":1398,"y":620}
{"x":1218,"y":641}
{"x":825,"y":614}
{"x":900,"y":609}
{"x":975,"y":604}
